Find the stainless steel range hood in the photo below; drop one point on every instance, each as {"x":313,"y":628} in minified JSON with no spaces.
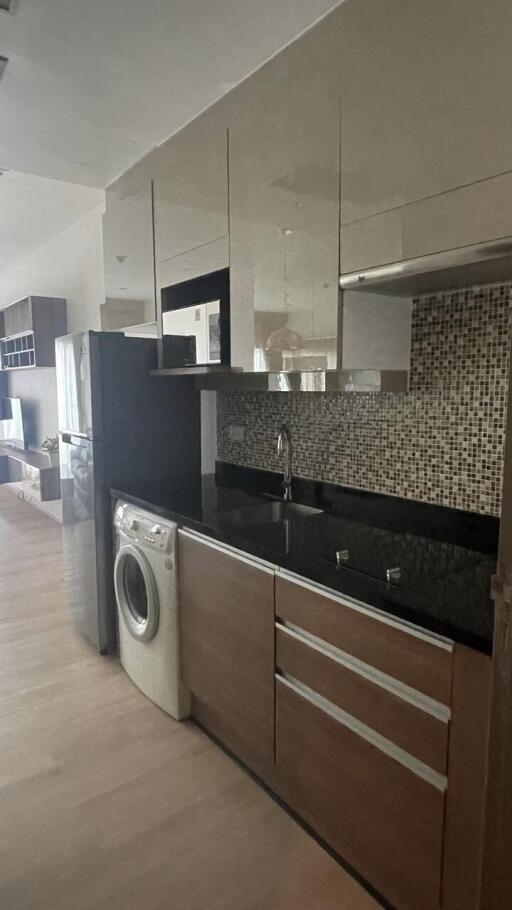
{"x":482,"y":263}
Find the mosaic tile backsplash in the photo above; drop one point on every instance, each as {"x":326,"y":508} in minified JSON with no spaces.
{"x":441,"y":443}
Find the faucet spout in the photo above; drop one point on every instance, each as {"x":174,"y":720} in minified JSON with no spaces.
{"x":284,"y":445}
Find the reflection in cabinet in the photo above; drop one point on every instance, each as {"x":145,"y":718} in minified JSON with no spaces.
{"x":424,"y":86}
{"x":227,"y":641}
{"x":284,"y":209}
{"x":128,"y":246}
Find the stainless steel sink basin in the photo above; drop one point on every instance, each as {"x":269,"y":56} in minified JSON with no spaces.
{"x":269,"y":513}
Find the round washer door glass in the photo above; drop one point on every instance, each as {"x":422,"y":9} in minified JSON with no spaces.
{"x":136,"y":593}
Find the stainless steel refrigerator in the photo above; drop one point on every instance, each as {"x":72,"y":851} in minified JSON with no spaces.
{"x":118,"y":427}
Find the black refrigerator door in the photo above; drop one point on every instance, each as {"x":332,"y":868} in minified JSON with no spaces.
{"x":78,"y":365}
{"x":87,"y":540}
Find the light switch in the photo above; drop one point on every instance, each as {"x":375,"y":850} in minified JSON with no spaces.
{"x":236,"y":434}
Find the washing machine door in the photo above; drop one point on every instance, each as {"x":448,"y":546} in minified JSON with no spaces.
{"x":136,"y":592}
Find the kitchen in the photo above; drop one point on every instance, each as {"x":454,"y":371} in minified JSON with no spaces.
{"x":299,"y":438}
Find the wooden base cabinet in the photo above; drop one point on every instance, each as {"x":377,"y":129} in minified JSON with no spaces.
{"x":373,"y":731}
{"x":381,"y":817}
{"x":381,"y":743}
{"x":227,"y":640}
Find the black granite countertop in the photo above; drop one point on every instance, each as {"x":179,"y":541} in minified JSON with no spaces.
{"x":446,"y":557}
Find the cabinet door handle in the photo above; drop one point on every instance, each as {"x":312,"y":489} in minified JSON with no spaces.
{"x":431,"y":638}
{"x":412,"y":764}
{"x":376,"y":677}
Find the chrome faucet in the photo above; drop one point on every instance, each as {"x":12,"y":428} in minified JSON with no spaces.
{"x":284,"y":442}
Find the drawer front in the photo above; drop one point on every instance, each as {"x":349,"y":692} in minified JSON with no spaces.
{"x":227,"y":647}
{"x":401,"y":652}
{"x":420,"y":730}
{"x":381,"y":817}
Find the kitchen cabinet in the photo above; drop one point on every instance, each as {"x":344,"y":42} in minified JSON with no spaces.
{"x":191,"y":232}
{"x":373,"y":730}
{"x":30,"y":327}
{"x":381,"y":734}
{"x":384,"y":819}
{"x":284,"y":209}
{"x":191,"y":200}
{"x":128,"y":242}
{"x":227,"y":643}
{"x":464,"y":216}
{"x":424,"y":87}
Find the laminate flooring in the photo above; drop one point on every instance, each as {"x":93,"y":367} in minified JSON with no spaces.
{"x":105,"y":802}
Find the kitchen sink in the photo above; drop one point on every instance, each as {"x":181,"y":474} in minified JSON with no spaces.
{"x":269,"y":513}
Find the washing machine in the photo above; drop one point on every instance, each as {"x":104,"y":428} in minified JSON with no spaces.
{"x":146,"y":587}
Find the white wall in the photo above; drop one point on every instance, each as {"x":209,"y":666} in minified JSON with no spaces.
{"x":70,"y":266}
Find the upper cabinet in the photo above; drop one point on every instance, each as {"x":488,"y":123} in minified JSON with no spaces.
{"x":128,"y":243}
{"x":365,"y":142}
{"x":424,"y":88}
{"x":29,"y":328}
{"x":284,"y":151}
{"x":191,"y":201}
{"x":427,"y":91}
{"x":192,"y":241}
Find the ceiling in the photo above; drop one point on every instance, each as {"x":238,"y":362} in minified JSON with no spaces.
{"x":90,"y":87}
{"x":35,"y":209}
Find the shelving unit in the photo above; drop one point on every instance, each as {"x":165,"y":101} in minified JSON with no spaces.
{"x":28,"y":329}
{"x":34,"y":477}
{"x":29,"y":492}
{"x":18,"y":352}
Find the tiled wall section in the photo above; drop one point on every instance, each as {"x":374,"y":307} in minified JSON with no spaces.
{"x":441,"y":443}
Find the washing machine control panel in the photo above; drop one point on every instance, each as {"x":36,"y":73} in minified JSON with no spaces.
{"x":143,"y":529}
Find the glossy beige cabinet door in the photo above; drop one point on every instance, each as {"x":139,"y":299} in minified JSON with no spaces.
{"x":284,"y":209}
{"x":426,"y":99}
{"x":191,"y":200}
{"x":128,"y":244}
{"x":471,"y":214}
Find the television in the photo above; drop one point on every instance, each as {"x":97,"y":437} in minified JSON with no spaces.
{"x":12,"y":428}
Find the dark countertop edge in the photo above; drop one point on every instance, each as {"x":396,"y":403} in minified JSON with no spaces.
{"x":409,"y":614}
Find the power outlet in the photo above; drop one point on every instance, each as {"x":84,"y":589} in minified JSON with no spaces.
{"x":236,"y":433}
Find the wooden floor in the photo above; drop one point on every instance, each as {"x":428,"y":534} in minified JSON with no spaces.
{"x":105,"y":802}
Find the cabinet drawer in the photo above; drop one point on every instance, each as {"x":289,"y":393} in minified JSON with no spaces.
{"x":414,"y":724}
{"x":422,"y":662}
{"x":381,"y":817}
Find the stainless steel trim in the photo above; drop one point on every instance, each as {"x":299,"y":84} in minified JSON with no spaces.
{"x":439,"y":641}
{"x":450,"y":262}
{"x":356,"y":381}
{"x":412,"y":764}
{"x":229,"y":550}
{"x":366,"y":671}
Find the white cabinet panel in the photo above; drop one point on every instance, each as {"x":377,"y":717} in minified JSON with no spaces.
{"x":472,"y":214}
{"x":191,"y":197}
{"x":284,"y":208}
{"x":210,"y":257}
{"x":426,"y":98}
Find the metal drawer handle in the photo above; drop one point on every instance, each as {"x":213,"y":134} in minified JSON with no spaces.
{"x":412,"y":764}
